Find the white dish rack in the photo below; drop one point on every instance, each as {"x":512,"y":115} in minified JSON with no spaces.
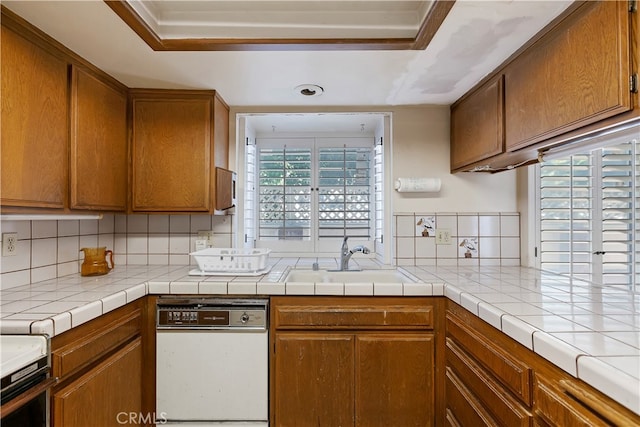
{"x":231,"y":261}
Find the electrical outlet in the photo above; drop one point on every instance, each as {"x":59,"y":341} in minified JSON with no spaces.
{"x":9,"y":244}
{"x":205,"y":237}
{"x":205,"y":234}
{"x":443,"y":237}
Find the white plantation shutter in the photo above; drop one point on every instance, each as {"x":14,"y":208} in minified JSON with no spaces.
{"x":344,"y":192}
{"x":565,"y":209}
{"x":284,"y":182}
{"x":620,"y":198}
{"x":312,"y":190}
{"x":590,"y":215}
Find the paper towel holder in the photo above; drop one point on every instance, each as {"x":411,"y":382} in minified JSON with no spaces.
{"x":417,"y":185}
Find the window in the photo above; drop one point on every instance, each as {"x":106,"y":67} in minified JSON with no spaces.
{"x":590,"y":215}
{"x":313,"y":191}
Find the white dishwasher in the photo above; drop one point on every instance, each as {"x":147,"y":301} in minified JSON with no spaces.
{"x":212,"y":362}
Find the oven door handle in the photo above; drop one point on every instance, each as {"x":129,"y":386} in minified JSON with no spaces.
{"x":27,"y":396}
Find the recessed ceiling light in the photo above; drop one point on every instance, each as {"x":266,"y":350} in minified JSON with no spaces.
{"x":309,"y":90}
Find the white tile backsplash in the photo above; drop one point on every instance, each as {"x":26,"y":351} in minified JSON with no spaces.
{"x":159,"y":224}
{"x":405,"y":226}
{"x":179,"y":224}
{"x":485,"y":232}
{"x":137,"y":224}
{"x":468,"y":225}
{"x":51,"y":248}
{"x":43,"y":252}
{"x":42,"y":229}
{"x":68,"y":228}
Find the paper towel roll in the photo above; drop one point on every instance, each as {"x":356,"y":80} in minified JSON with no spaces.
{"x":417,"y":185}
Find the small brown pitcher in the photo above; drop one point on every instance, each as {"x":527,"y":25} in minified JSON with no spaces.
{"x":95,"y":261}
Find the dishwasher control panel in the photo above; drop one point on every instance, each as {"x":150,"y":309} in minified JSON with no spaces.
{"x":203,"y":314}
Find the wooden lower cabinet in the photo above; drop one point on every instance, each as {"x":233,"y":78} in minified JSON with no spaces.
{"x":101,"y":371}
{"x":314,"y":375}
{"x":493,"y":380}
{"x":353,"y":368}
{"x":106,"y":395}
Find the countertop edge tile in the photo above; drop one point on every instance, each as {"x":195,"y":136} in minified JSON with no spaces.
{"x":518,"y":330}
{"x":42,"y":327}
{"x":558,"y":352}
{"x":490,"y":314}
{"x":417,"y":289}
{"x":470,"y":302}
{"x":86,"y":312}
{"x":618,"y":385}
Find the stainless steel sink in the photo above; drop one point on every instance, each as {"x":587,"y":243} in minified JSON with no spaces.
{"x":352,"y":276}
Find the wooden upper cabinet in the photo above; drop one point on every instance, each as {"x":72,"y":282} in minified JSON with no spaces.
{"x":477,"y":125}
{"x":34,"y":125}
{"x":98,"y":144}
{"x":575,"y":75}
{"x":174,"y":148}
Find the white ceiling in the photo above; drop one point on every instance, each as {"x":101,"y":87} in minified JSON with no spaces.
{"x":474,"y":39}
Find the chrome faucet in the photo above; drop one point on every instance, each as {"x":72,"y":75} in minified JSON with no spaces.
{"x":345,"y":253}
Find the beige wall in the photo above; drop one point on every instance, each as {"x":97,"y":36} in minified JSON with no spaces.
{"x":421,"y":149}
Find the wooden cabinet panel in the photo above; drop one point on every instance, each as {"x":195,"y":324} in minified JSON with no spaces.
{"x":576,"y":75}
{"x":79,"y":353}
{"x":511,"y":372}
{"x":354,"y":313}
{"x":171,"y":154}
{"x":462,"y":407}
{"x":554,"y":409}
{"x":502,"y":407}
{"x":225,"y":189}
{"x":101,"y":396}
{"x":221,"y":133}
{"x":178,"y":138}
{"x":395,"y":379}
{"x":477,"y":125}
{"x":99,"y":157}
{"x":314,"y":379}
{"x":34,"y":127}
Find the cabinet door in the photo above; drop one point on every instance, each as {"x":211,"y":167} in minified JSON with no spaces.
{"x":98,"y":144}
{"x":477,"y":125}
{"x":576,"y":75}
{"x":34,"y":125}
{"x":314,"y":377}
{"x":104,"y":396}
{"x":395,"y":379}
{"x":171,"y":154}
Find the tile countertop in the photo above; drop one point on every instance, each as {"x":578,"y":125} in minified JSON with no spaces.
{"x":589,"y":331}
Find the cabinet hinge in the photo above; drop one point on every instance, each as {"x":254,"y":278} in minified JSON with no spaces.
{"x":633,"y":83}
{"x":633,"y":6}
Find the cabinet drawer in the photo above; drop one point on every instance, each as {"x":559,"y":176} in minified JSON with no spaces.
{"x":493,"y":397}
{"x":79,"y":353}
{"x":557,"y":409}
{"x":462,"y":407}
{"x":510,"y":372}
{"x":354,"y":315}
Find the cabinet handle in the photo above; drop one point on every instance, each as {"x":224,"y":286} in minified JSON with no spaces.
{"x":593,"y":402}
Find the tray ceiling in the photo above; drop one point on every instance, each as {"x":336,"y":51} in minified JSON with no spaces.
{"x":283,"y":25}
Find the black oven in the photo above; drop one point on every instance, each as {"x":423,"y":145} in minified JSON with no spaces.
{"x":25,"y":394}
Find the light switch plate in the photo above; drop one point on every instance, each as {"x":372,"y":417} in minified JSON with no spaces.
{"x":443,"y":236}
